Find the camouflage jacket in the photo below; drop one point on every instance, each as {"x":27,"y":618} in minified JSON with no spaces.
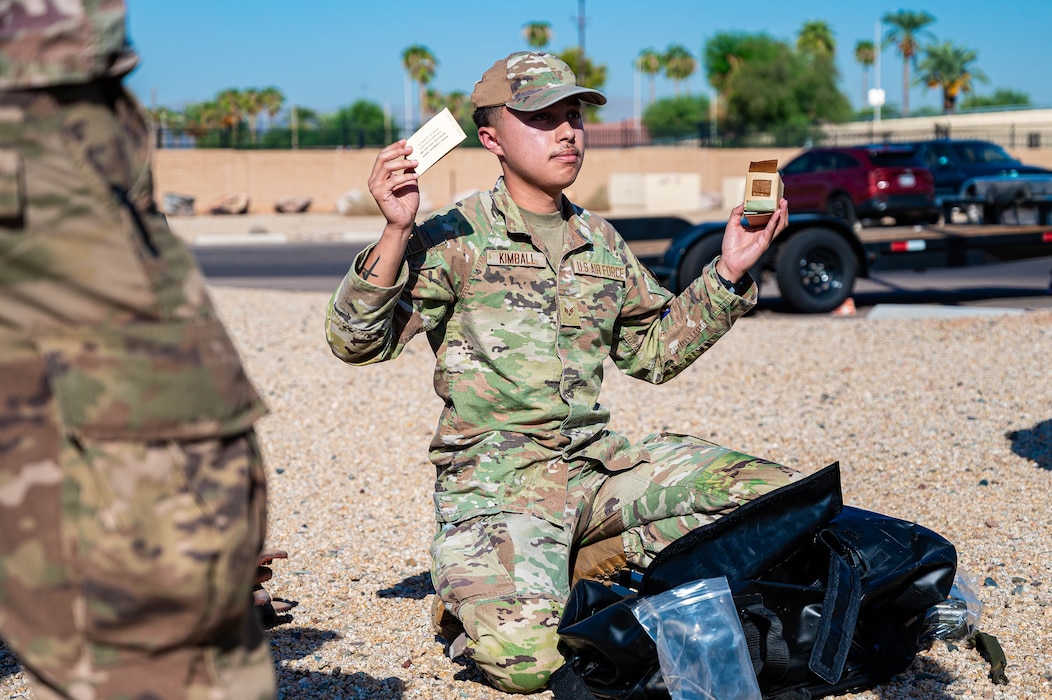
{"x":521,"y":343}
{"x":96,"y":293}
{"x":61,"y":42}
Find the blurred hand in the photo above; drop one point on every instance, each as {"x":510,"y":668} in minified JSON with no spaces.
{"x":392,"y":183}
{"x":743,"y":246}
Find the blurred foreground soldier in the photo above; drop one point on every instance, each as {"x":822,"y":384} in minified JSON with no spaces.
{"x":524,"y":297}
{"x":132,"y":491}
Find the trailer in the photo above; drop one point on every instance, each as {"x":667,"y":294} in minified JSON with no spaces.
{"x":817,"y":259}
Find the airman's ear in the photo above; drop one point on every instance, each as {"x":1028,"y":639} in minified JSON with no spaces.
{"x":490,"y":140}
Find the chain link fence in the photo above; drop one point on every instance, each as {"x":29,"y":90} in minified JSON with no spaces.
{"x":624,"y":135}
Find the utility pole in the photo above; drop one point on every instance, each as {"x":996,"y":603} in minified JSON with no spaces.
{"x":581,"y":20}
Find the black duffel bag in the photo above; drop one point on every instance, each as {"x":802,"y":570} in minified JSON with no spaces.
{"x":831,"y":598}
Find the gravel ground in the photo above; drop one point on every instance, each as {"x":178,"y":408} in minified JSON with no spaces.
{"x":943,"y":421}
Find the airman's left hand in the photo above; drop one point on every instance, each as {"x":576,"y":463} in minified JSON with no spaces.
{"x":743,"y":246}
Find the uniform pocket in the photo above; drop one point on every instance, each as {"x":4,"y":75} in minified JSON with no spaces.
{"x":150,"y":381}
{"x":164,"y":537}
{"x":12,"y":188}
{"x":473,"y":560}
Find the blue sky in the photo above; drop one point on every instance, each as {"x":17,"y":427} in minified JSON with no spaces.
{"x":325,"y":54}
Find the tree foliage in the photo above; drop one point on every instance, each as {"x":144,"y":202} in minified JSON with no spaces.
{"x":866,"y":55}
{"x":906,"y":30}
{"x":765,"y":83}
{"x":537,"y":34}
{"x":948,"y":67}
{"x":725,"y":53}
{"x":677,"y":117}
{"x":815,"y":40}
{"x":1003,"y":97}
{"x":421,"y":65}
{"x":679,"y":64}
{"x":588,"y":74}
{"x":649,"y":63}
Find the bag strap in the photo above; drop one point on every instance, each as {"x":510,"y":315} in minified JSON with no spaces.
{"x":840,"y":607}
{"x":567,"y":684}
{"x":768,"y":649}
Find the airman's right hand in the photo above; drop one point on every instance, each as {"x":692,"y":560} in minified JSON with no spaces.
{"x":393,"y":184}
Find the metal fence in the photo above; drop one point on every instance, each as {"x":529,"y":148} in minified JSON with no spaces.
{"x":274,"y":138}
{"x":624,"y":135}
{"x":1011,"y":136}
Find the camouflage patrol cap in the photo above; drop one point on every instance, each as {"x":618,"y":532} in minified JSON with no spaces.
{"x":530,"y":80}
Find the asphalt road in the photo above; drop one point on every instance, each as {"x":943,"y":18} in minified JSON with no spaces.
{"x":321,"y":266}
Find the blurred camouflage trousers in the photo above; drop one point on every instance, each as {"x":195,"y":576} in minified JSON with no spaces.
{"x":506,"y":577}
{"x":132,"y":491}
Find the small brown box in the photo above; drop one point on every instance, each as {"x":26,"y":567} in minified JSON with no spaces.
{"x":763,"y":190}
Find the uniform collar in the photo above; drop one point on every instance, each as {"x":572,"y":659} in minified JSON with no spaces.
{"x":515,"y":223}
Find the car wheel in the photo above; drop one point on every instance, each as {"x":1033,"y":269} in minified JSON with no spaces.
{"x":816,"y":270}
{"x":701,"y":254}
{"x":840,"y":207}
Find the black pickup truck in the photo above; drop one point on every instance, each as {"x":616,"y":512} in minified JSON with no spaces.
{"x":955,"y":162}
{"x":817,"y":259}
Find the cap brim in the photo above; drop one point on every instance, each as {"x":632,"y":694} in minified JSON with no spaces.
{"x":549,"y":96}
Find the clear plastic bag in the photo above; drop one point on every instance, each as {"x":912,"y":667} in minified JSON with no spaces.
{"x":957,"y":617}
{"x":700,"y":642}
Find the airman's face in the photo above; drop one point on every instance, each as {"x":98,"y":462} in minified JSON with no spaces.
{"x":542,"y":151}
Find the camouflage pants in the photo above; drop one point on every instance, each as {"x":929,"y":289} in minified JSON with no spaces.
{"x":126,"y":567}
{"x":506,"y":577}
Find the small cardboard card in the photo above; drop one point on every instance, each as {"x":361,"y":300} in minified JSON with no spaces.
{"x":440,"y":135}
{"x":763,"y":190}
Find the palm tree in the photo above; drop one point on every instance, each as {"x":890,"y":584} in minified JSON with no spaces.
{"x":865,"y":54}
{"x":588,"y":74}
{"x":906,"y":30}
{"x":679,"y":64}
{"x":230,"y":105}
{"x":166,"y":118}
{"x":420,"y":64}
{"x":459,"y":105}
{"x":201,"y":118}
{"x":537,"y":34}
{"x":724,"y":55}
{"x":649,"y":63}
{"x":272,"y":100}
{"x":947,"y":66}
{"x":251,"y":101}
{"x":434,"y":102}
{"x":816,"y":39}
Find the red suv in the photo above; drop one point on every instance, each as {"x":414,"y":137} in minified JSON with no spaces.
{"x":863,"y":183}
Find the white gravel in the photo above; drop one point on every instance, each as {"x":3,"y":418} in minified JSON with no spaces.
{"x":947,"y":422}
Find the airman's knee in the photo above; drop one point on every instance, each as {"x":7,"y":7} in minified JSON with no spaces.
{"x":515,"y":643}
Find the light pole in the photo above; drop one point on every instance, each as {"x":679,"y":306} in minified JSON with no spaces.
{"x":876,"y":94}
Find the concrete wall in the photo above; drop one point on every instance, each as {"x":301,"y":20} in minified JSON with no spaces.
{"x":327,"y":175}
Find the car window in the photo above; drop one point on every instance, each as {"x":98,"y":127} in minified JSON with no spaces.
{"x":982,"y":153}
{"x":843,"y":161}
{"x":936,"y":153}
{"x":824,"y":162}
{"x":797,"y":166}
{"x":900,"y":159}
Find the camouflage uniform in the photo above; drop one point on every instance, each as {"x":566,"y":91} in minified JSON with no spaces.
{"x":528,"y":474}
{"x":132,"y":494}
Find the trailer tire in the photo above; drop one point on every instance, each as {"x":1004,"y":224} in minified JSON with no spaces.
{"x":701,"y":254}
{"x":816,"y":270}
